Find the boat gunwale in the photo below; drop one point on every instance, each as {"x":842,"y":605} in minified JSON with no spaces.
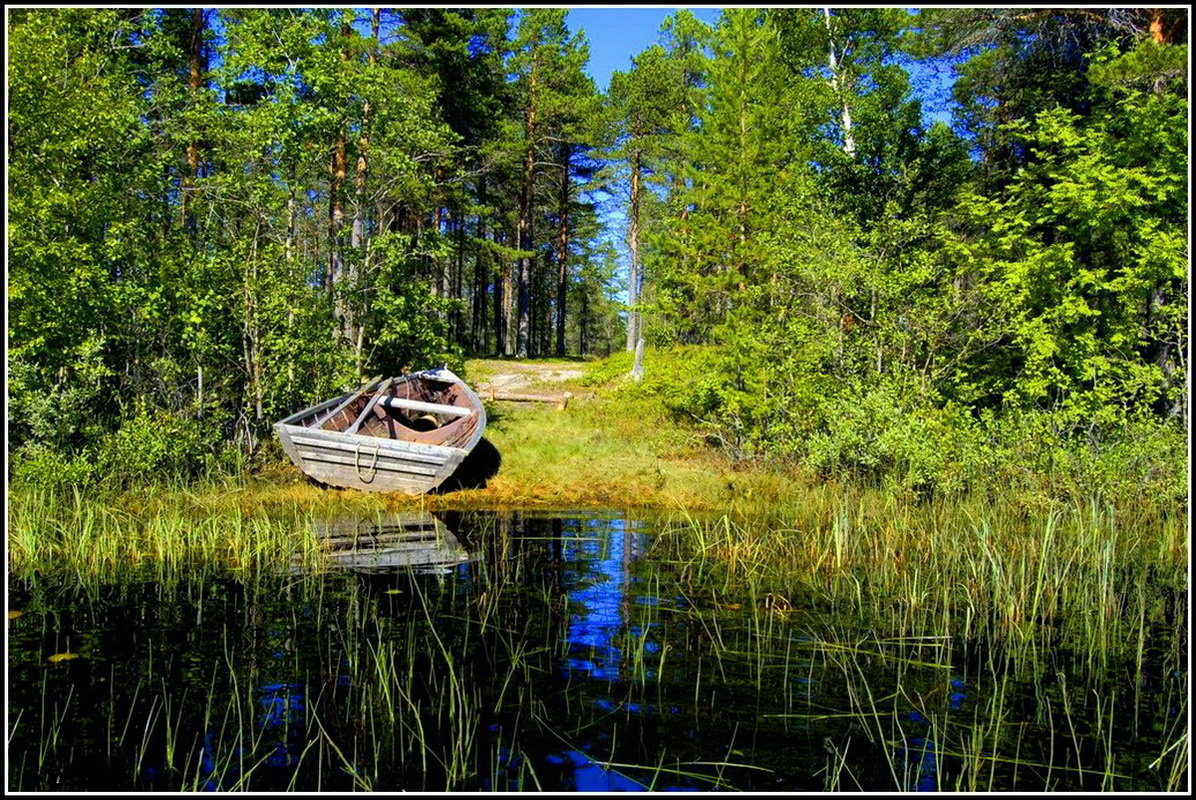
{"x":355,"y":440}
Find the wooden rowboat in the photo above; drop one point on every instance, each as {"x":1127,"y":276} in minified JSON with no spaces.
{"x":405,"y":434}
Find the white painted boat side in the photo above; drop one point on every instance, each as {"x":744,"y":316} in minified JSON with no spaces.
{"x":373,"y":463}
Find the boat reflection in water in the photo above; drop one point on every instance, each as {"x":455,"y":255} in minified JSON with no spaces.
{"x":415,"y":541}
{"x":411,"y":542}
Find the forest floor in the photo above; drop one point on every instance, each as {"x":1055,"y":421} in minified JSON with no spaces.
{"x":605,"y":449}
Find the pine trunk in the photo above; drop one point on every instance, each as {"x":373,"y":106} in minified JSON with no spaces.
{"x":523,"y":337}
{"x":562,"y":250}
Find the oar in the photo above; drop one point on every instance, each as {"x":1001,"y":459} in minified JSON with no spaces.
{"x":369,"y":406}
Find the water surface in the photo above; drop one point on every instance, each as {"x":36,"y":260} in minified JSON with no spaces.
{"x":476,"y":652}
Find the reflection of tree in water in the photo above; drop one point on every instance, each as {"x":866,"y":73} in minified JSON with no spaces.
{"x":547,"y":653}
{"x":599,"y":595}
{"x":594,"y":708}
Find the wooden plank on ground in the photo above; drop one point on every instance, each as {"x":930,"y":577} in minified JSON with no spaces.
{"x":560,"y":400}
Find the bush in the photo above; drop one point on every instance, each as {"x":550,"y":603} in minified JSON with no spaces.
{"x":152,"y":447}
{"x":36,"y":465}
{"x":612,"y":369}
{"x":875,"y":437}
{"x":927,"y":450}
{"x":1032,"y":452}
{"x":751,"y":407}
{"x":158,"y":446}
{"x":883,"y":435}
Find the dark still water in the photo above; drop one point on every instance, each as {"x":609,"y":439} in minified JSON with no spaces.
{"x":477,"y":652}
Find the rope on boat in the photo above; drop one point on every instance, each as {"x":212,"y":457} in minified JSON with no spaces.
{"x":373,"y":468}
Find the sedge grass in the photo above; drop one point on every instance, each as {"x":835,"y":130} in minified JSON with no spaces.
{"x":957,"y":573}
{"x":897,"y":608}
{"x":50,"y":533}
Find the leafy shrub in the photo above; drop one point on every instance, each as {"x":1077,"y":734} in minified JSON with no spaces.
{"x":153,"y":446}
{"x":883,"y":435}
{"x":750,"y":406}
{"x":1032,"y":452}
{"x":156,"y":446}
{"x":927,"y":450}
{"x":613,"y":368}
{"x":36,"y":465}
{"x":874,"y":436}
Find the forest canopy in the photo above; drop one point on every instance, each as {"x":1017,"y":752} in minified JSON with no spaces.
{"x":218,"y":216}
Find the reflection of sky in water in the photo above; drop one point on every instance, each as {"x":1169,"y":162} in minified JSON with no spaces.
{"x":598,"y":554}
{"x":591,"y":776}
{"x":919,"y":753}
{"x":281,"y":717}
{"x":598,"y":586}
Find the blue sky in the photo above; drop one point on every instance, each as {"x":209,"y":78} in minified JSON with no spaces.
{"x":616,"y":33}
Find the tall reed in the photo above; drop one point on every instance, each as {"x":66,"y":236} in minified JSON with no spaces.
{"x":1076,"y":577}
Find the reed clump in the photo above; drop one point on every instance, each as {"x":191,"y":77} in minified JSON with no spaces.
{"x":838,"y":628}
{"x":53,"y":532}
{"x":1086,"y":577}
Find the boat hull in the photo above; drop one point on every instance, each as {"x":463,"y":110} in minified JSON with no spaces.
{"x":374,"y":463}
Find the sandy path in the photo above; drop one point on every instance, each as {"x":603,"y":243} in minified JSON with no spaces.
{"x":522,"y":376}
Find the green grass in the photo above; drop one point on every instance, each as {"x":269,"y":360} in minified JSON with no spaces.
{"x":618,"y":446}
{"x":892,"y":597}
{"x":1087,"y":575}
{"x":1035,"y":578}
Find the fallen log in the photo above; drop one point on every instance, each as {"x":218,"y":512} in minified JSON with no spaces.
{"x":561,"y":400}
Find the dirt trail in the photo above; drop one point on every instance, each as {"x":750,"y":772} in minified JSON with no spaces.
{"x":525,"y":376}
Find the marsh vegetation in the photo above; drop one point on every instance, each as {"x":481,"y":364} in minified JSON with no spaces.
{"x":583,"y":651}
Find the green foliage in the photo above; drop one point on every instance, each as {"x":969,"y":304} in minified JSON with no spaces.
{"x":151,"y":447}
{"x":217,"y":217}
{"x":37,"y":465}
{"x":952,"y":327}
{"x":409,"y":324}
{"x":751,"y":412}
{"x":74,"y":171}
{"x":154,"y":446}
{"x":1083,"y":262}
{"x":880,"y":437}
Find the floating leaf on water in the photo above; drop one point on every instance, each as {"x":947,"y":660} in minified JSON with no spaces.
{"x":54,"y":659}
{"x":15,"y":614}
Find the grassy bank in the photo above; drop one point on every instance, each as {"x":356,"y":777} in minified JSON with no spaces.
{"x":606,"y":449}
{"x":624,"y":445}
{"x":890,"y":592}
{"x":1008,"y":556}
{"x":632,"y":446}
